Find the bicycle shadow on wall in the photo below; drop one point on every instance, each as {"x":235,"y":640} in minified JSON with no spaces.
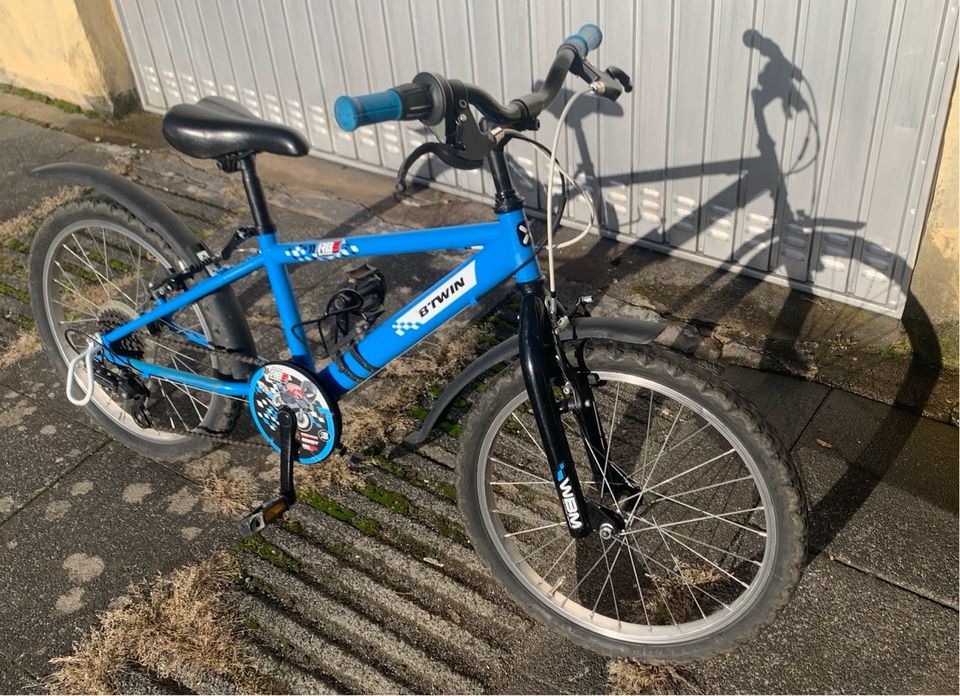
{"x":780,"y":84}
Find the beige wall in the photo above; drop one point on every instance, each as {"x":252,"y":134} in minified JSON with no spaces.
{"x":68,"y":49}
{"x":936,"y":278}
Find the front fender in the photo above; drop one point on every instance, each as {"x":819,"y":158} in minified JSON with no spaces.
{"x":156,"y":215}
{"x":633,"y":331}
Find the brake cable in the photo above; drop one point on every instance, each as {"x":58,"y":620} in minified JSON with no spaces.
{"x":550,"y":181}
{"x":568,"y":179}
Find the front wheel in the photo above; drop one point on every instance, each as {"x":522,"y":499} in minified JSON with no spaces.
{"x":713,"y":543}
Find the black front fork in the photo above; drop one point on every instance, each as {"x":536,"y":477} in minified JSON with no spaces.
{"x":544,"y":364}
{"x":536,"y":351}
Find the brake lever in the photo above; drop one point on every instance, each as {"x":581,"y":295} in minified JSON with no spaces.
{"x":621,"y":77}
{"x":465,"y":144}
{"x":610,"y":83}
{"x":446,"y":154}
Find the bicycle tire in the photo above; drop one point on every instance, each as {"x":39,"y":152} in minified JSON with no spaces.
{"x":485,"y":424}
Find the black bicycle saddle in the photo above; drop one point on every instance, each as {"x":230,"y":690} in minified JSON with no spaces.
{"x":215,"y":127}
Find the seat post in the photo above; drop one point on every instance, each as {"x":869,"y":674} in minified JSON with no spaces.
{"x":255,"y":197}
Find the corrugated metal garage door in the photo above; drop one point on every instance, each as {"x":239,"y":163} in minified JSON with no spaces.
{"x":795,"y":140}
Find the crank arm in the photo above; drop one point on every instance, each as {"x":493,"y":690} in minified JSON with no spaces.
{"x":271,"y":510}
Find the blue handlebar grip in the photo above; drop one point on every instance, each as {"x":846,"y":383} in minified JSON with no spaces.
{"x":587,"y":38}
{"x":353,"y":112}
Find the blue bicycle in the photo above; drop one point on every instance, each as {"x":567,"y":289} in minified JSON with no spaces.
{"x":622,"y":495}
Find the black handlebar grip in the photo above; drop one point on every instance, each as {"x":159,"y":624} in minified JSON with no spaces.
{"x":415,"y":100}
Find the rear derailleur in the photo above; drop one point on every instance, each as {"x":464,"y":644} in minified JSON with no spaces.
{"x":127,"y":385}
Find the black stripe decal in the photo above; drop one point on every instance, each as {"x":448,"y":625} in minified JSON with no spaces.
{"x":355,"y":354}
{"x":345,"y":369}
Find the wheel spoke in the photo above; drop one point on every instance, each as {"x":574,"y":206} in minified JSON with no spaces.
{"x":700,"y":555}
{"x":532,"y":438}
{"x":676,"y":563}
{"x":646,"y":439}
{"x":606,"y":458}
{"x":636,"y":576}
{"x":76,"y":293}
{"x":609,"y":579}
{"x":556,"y":562}
{"x":687,"y":471}
{"x":708,"y":487}
{"x":533,"y":529}
{"x":656,"y":461}
{"x":671,"y":571}
{"x":522,"y":446}
{"x":540,"y":548}
{"x":721,"y":517}
{"x":100,"y":278}
{"x":581,"y":581}
{"x":539,"y":479}
{"x":688,"y":437}
{"x":715,"y":548}
{"x":653,"y":577}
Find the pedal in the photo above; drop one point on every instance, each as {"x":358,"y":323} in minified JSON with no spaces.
{"x":258,"y":518}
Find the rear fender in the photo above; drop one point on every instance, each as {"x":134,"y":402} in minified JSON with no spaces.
{"x":632,"y":331}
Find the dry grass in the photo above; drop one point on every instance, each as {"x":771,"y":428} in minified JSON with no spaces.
{"x":181,"y":623}
{"x":335,"y":469}
{"x":674,"y":601}
{"x":229,"y":490}
{"x":632,"y":677}
{"x":24,"y":345}
{"x":379,"y":415}
{"x":16,"y":226}
{"x":627,"y":676}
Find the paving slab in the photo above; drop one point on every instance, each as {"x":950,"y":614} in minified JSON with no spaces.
{"x":123,"y":519}
{"x":34,"y":377}
{"x":38,"y":448}
{"x":879,"y":528}
{"x":26,"y":145}
{"x":788,"y":403}
{"x":915,"y":454}
{"x":14,"y":680}
{"x":844,"y":632}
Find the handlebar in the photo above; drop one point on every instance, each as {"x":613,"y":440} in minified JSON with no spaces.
{"x":426,"y":98}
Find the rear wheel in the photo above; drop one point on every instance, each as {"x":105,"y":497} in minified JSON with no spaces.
{"x":712,"y":547}
{"x":91,"y":267}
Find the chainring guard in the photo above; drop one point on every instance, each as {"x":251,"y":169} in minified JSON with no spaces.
{"x":287,"y":384}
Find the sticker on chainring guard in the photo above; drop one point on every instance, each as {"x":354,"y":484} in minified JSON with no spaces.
{"x":281,"y":384}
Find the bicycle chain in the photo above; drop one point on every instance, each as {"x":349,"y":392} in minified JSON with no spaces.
{"x":254,"y":361}
{"x":228,"y":355}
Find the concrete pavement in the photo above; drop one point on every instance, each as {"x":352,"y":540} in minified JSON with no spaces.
{"x":81,"y":517}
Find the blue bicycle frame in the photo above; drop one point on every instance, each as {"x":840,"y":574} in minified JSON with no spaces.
{"x":503,"y":247}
